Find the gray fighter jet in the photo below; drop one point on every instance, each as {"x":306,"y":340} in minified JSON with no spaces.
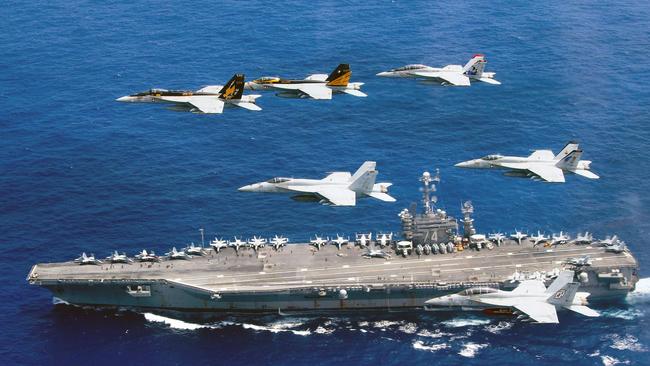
{"x":337,"y":189}
{"x":210,"y":99}
{"x":531,"y":299}
{"x":452,"y":75}
{"x":541,"y":164}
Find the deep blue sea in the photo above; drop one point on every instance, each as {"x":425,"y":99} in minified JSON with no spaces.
{"x":81,"y":172}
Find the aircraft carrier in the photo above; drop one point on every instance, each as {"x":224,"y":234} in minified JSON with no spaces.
{"x":431,"y":258}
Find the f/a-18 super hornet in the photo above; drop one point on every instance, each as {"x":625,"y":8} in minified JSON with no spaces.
{"x":317,"y":86}
{"x":454,"y":75}
{"x":337,"y":189}
{"x":209,"y":99}
{"x":541,"y":164}
{"x":531,"y":299}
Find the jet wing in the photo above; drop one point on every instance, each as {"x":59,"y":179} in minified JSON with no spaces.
{"x":540,"y":312}
{"x":549,"y":173}
{"x":542,"y":155}
{"x":316,"y":91}
{"x":205,"y":104}
{"x":454,"y":78}
{"x":336,"y":196}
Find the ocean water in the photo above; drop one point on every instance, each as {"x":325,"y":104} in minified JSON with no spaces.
{"x":81,"y":172}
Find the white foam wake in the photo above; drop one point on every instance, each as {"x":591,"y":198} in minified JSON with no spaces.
{"x":175,"y":323}
{"x":641,"y":293}
{"x":431,"y":348}
{"x":470,"y":349}
{"x":465,"y":322}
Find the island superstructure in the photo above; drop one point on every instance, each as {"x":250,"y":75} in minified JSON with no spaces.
{"x":374,"y":272}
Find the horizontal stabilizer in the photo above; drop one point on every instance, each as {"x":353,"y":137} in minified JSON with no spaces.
{"x":490,"y":81}
{"x":247,"y":105}
{"x":584,"y":310}
{"x":382,"y":196}
{"x":586,"y":173}
{"x":355,"y":92}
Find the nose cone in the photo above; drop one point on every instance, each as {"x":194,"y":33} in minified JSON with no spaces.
{"x":248,"y":188}
{"x":469,"y":164}
{"x":384,"y":73}
{"x":439,"y":301}
{"x":126,"y":98}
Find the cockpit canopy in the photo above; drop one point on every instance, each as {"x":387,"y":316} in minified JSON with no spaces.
{"x":278,"y":180}
{"x":410,"y":67}
{"x":267,"y":79}
{"x":492,"y":157}
{"x":477,"y":291}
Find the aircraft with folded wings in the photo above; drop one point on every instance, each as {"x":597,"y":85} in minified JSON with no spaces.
{"x":450,"y":75}
{"x":541,"y":164}
{"x":209,"y":99}
{"x":317,"y":86}
{"x":531,"y":300}
{"x":337,"y":189}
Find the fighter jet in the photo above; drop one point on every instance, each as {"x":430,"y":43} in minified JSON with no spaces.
{"x":585,"y":260}
{"x":539,"y":238}
{"x":147,"y":257}
{"x":376,"y":253}
{"x":497,"y":238}
{"x":218,"y":244}
{"x":531,"y":299}
{"x":453,"y":75}
{"x":337,"y":189}
{"x":609,"y":240}
{"x":194,"y":250}
{"x":541,"y":164}
{"x":210,"y":99}
{"x":340,"y":241}
{"x":118,"y":258}
{"x":364,"y":239}
{"x":237,"y":243}
{"x":384,"y":239}
{"x":257,"y":243}
{"x":278,"y":242}
{"x":317,"y":86}
{"x":318,"y":242}
{"x":85,"y":259}
{"x":619,"y":247}
{"x":585,"y":238}
{"x":175,"y":254}
{"x":518,"y":236}
{"x":559,"y":239}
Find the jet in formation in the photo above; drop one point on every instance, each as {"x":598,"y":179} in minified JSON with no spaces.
{"x":209,"y":99}
{"x":541,"y":164}
{"x":531,"y":300}
{"x":317,"y":86}
{"x":453,"y":75}
{"x":337,"y":189}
